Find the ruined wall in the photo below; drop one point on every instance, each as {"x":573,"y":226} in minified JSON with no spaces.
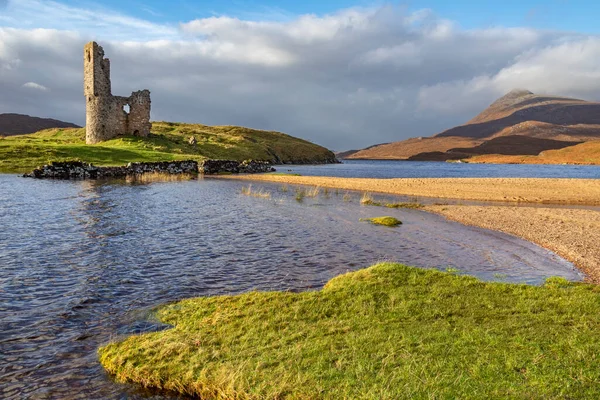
{"x":106,"y":117}
{"x":139,"y":115}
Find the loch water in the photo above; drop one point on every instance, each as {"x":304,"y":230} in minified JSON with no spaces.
{"x":438,"y":169}
{"x":84,"y":262}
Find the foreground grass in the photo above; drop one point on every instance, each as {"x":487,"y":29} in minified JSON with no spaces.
{"x":168,"y":141}
{"x":386,"y":332}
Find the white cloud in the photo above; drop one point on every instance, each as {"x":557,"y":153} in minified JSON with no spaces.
{"x":349,"y":79}
{"x":35,"y":86}
{"x":567,"y":67}
{"x":96,"y":21}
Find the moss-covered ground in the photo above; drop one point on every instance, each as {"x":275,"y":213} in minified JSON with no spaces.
{"x":385,"y":221}
{"x":386,"y":332}
{"x":168,"y":141}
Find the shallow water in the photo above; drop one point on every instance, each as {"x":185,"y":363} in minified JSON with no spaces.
{"x":83,"y":262}
{"x":434,"y":169}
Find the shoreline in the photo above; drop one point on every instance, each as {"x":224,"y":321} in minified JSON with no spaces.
{"x":571,"y":233}
{"x":507,"y":190}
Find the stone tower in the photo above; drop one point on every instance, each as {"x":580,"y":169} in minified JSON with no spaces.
{"x":108,"y":116}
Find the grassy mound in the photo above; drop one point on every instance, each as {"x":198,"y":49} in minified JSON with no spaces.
{"x":168,"y":141}
{"x":385,"y":221}
{"x":386,"y":332}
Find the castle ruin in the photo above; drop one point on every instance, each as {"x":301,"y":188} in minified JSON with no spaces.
{"x":108,"y":116}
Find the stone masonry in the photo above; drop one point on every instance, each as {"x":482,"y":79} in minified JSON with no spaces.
{"x":108,"y":116}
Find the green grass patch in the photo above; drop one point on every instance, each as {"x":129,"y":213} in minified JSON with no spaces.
{"x":404,"y":205}
{"x":284,"y":174}
{"x":385,"y":221}
{"x":386,"y":332}
{"x":168,"y":141}
{"x":261,"y":193}
{"x":368,"y":200}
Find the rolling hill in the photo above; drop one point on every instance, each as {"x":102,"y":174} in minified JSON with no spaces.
{"x":167,"y":141}
{"x":20,"y":124}
{"x":587,"y":153}
{"x":519,"y":123}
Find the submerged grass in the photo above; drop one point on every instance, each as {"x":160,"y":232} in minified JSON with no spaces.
{"x":261,"y":193}
{"x":404,"y":205}
{"x":167,"y":141}
{"x":385,"y":221}
{"x":386,"y":332}
{"x":313,"y":191}
{"x":300,"y":194}
{"x":368,"y":200}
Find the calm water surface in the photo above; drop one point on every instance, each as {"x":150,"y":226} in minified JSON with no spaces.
{"x":433,"y":169}
{"x":83,"y":262}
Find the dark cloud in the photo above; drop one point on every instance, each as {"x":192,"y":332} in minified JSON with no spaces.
{"x":344,"y":81}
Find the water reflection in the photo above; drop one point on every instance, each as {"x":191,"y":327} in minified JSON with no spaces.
{"x":83,"y":262}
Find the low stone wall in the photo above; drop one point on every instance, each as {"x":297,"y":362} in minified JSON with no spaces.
{"x":212,"y":167}
{"x":81,"y":170}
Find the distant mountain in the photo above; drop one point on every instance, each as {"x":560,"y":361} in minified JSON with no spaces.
{"x":344,"y":154}
{"x":524,"y":113}
{"x":19,"y":124}
{"x":532,"y":124}
{"x":349,"y":153}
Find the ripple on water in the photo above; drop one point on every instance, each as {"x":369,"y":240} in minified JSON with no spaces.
{"x":84,"y":262}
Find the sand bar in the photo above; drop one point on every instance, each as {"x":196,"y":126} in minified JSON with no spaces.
{"x":574,"y":234}
{"x":526,"y":190}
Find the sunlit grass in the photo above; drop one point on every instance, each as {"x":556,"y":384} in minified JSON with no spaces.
{"x":300,"y":194}
{"x":261,"y":193}
{"x":168,"y":141}
{"x":367,"y":200}
{"x":385,"y":221}
{"x":386,"y":332}
{"x":412,"y":205}
{"x":313,"y":191}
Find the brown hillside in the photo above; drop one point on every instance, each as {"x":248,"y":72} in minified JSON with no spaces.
{"x":540,"y":122}
{"x":19,"y":124}
{"x":587,"y":153}
{"x":543,"y":130}
{"x":505,"y":145}
{"x":408,"y":148}
{"x":521,"y":106}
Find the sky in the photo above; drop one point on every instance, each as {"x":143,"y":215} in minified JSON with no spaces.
{"x":343,"y":74}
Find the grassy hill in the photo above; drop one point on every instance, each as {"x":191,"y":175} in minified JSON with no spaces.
{"x":168,"y":141}
{"x":519,"y":123}
{"x":405,"y":149}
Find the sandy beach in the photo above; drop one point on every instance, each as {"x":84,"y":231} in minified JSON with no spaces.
{"x":572,"y":233}
{"x":525,"y":190}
